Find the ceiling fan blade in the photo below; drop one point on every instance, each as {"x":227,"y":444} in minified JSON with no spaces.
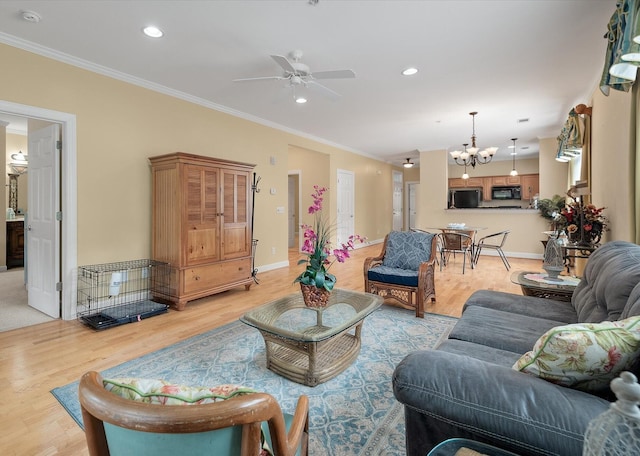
{"x":334,"y":74}
{"x":264,"y":78}
{"x":284,"y":63}
{"x":312,"y":85}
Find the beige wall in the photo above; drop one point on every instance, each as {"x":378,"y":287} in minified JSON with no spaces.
{"x":612,"y":167}
{"x":120,"y":125}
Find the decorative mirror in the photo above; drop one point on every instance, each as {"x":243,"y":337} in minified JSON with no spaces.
{"x":13,"y":192}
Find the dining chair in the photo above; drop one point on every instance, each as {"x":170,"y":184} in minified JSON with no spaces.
{"x":495,"y":242}
{"x":126,"y":421}
{"x":456,"y":242}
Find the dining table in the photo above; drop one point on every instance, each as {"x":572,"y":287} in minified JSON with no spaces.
{"x":463,"y":228}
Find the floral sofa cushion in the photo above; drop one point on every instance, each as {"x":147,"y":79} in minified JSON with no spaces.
{"x":164,"y":393}
{"x":585,"y":356}
{"x":407,"y":249}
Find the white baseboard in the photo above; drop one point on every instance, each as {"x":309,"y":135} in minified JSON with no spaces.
{"x":530,"y":256}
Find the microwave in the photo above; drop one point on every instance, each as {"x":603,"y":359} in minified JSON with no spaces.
{"x":511,"y":192}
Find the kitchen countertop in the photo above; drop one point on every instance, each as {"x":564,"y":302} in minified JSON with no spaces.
{"x":17,"y":219}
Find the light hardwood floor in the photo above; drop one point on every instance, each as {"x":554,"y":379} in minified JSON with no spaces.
{"x":36,"y":359}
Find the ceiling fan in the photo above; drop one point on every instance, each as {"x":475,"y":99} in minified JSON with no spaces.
{"x":299,"y":75}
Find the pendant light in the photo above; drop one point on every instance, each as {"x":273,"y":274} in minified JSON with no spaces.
{"x":514,"y":172}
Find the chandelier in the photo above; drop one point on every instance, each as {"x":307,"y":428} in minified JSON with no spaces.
{"x":473,"y":155}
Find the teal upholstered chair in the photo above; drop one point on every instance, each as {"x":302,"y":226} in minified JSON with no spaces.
{"x":116,"y":425}
{"x":404,"y":270}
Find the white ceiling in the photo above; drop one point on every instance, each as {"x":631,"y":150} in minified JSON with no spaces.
{"x":508,"y":60}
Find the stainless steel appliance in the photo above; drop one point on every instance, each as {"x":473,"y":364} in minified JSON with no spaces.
{"x":510,"y":192}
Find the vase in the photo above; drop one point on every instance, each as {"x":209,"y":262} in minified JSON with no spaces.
{"x":315,"y":297}
{"x":553,"y":259}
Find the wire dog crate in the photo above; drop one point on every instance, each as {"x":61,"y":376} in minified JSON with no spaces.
{"x":113,"y":294}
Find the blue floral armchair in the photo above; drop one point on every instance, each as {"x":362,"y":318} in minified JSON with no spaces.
{"x":404,"y":271}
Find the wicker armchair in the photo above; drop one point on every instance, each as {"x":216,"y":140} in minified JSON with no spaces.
{"x":404,"y":270}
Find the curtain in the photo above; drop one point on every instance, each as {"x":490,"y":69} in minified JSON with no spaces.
{"x":585,"y":163}
{"x":634,"y":202}
{"x":623,"y":51}
{"x":571,"y":137}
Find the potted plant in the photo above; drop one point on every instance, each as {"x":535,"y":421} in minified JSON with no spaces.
{"x":316,"y":282}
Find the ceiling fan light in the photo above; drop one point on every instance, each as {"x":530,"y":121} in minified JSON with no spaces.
{"x":408,"y":164}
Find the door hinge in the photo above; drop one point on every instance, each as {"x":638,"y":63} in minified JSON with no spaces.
{"x":59,"y":145}
{"x":59,"y":216}
{"x":58,"y":286}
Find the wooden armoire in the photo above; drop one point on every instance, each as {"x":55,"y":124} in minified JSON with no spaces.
{"x":201,"y":224}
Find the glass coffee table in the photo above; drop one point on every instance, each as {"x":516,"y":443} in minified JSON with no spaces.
{"x":535,"y":284}
{"x":311,"y":345}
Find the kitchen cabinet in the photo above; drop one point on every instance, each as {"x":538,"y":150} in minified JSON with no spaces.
{"x":505,"y":180}
{"x":201,"y":224}
{"x":15,"y":243}
{"x":472,"y":182}
{"x":530,"y":186}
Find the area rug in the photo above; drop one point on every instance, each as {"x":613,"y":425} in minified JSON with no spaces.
{"x":353,"y":414}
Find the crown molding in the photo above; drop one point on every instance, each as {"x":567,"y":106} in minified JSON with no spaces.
{"x":105,"y":71}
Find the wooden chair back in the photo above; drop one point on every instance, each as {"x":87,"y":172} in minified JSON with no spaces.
{"x":101,"y":407}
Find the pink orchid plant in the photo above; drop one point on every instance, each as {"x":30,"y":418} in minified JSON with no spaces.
{"x":317,"y":247}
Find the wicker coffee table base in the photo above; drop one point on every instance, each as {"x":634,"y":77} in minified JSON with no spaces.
{"x":312,"y":363}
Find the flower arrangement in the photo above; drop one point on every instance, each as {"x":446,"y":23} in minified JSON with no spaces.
{"x":584,"y":223}
{"x":317,"y":247}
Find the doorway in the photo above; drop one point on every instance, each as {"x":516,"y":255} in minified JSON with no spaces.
{"x":397,"y":201}
{"x":65,"y":185}
{"x":293,"y":188}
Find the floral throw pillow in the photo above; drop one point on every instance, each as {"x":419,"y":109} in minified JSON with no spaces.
{"x":585,"y":356}
{"x":160,"y":392}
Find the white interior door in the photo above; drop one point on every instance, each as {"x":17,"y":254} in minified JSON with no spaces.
{"x":412,"y":189}
{"x":42,"y":230}
{"x":345,"y":225}
{"x":397,"y":201}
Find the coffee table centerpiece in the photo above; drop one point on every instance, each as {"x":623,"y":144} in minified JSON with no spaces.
{"x":312,"y":345}
{"x":315,"y":281}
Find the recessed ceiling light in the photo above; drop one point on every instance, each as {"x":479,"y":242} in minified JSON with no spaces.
{"x":30,"y":16}
{"x":409,"y":71}
{"x":153,"y":32}
{"x":301,"y":100}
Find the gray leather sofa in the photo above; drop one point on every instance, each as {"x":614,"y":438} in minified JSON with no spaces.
{"x":467,"y":388}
